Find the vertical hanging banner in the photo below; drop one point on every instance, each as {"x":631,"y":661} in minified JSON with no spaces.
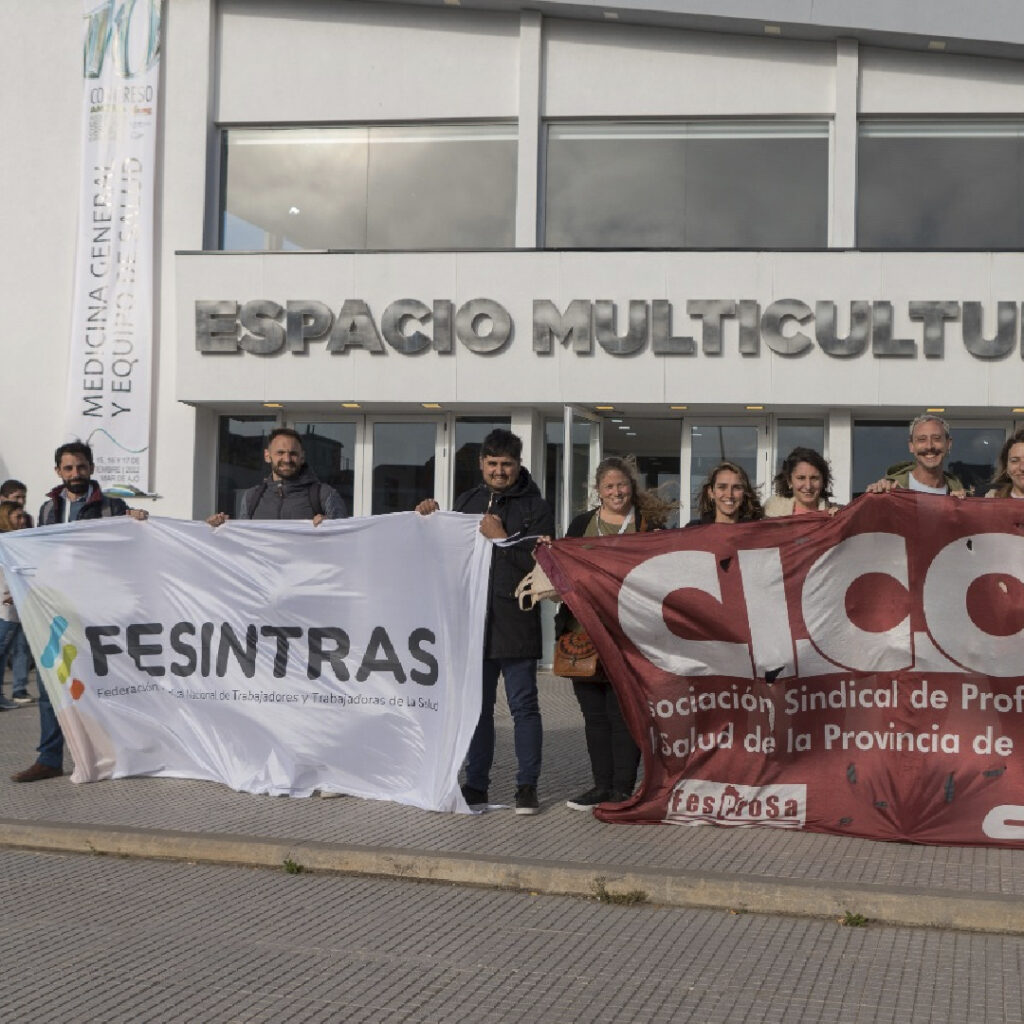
{"x":857,"y":675}
{"x":271,"y":656}
{"x":110,"y":362}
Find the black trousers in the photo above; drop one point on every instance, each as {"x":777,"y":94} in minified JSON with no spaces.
{"x":614,"y":756}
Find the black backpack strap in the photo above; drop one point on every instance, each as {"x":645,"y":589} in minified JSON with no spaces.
{"x":314,"y":498}
{"x":249,"y":513}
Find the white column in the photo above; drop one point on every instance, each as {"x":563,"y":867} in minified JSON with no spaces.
{"x":184,"y":445}
{"x":840,"y":453}
{"x":529,"y":129}
{"x":528,"y":424}
{"x":842,"y":226}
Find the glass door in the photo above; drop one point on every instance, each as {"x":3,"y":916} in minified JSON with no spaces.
{"x":581,"y":455}
{"x":405,"y":459}
{"x":707,"y":441}
{"x":331,"y":448}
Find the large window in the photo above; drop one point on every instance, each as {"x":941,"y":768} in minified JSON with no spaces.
{"x":790,"y":434}
{"x":714,"y":184}
{"x":955,"y":185}
{"x":415,"y":187}
{"x":469,"y":434}
{"x":404,"y":460}
{"x":240,"y":465}
{"x":330,"y":453}
{"x":881,"y":445}
{"x":712,"y":443}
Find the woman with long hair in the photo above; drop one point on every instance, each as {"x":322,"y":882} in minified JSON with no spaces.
{"x":727,"y":496}
{"x":1009,"y":479}
{"x":622,"y":508}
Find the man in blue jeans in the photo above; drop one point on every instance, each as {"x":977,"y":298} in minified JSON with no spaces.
{"x":76,"y":497}
{"x":512,"y":507}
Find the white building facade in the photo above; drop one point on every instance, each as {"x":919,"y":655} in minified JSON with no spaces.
{"x":685,"y":230}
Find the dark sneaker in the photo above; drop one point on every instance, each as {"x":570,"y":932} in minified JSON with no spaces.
{"x":474,"y":797}
{"x":21,"y":699}
{"x":589,"y":800}
{"x":526,"y":800}
{"x":619,"y":796}
{"x":7,"y":705}
{"x":37,"y":773}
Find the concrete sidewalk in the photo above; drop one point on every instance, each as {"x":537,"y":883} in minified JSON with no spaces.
{"x":558,"y":851}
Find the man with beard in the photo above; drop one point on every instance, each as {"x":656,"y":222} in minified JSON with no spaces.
{"x":511,"y":507}
{"x":76,"y":497}
{"x":292,"y":490}
{"x":930,"y":445}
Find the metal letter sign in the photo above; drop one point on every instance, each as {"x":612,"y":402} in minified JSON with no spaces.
{"x":787,"y":327}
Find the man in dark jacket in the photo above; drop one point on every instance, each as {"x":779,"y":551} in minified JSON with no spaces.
{"x":292,"y":491}
{"x":76,"y":497}
{"x":512,"y":507}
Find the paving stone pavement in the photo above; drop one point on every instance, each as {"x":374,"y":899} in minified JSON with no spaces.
{"x":769,"y":859}
{"x":91,"y":939}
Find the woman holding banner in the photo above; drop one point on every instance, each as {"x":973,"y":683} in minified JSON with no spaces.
{"x":804,"y":484}
{"x":1009,"y":478}
{"x":727,"y":496}
{"x":623,"y":508}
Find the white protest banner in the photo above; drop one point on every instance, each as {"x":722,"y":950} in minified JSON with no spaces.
{"x":274,"y":657}
{"x":110,"y":364}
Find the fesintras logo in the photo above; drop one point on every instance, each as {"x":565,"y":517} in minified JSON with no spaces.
{"x":693,"y":801}
{"x":62,"y":656}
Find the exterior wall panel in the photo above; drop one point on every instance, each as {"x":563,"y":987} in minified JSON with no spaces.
{"x":334,"y":62}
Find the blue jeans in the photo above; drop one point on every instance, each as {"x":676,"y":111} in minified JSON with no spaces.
{"x":521,"y":690}
{"x":51,"y":739}
{"x":14,"y":645}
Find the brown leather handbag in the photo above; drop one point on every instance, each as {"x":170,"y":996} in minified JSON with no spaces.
{"x":576,"y":656}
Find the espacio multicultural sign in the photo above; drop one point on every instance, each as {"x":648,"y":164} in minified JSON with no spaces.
{"x":786,"y":327}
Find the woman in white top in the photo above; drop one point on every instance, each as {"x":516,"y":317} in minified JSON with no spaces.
{"x":804,"y":484}
{"x":1009,"y":478}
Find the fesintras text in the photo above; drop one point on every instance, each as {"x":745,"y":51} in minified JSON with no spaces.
{"x":210,"y":649}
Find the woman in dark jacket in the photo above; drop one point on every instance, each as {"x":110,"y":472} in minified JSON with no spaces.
{"x":614,"y":757}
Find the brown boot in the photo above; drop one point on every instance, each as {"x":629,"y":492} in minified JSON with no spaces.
{"x":37,"y":773}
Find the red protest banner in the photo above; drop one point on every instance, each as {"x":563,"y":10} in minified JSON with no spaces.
{"x":857,"y":675}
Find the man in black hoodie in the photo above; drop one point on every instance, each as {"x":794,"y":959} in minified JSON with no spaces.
{"x":512,"y":507}
{"x":292,"y":491}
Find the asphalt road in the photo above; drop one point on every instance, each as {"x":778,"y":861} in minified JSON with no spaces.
{"x":100,"y":939}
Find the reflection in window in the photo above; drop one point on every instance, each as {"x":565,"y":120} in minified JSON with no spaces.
{"x":403,"y":465}
{"x":712,"y":444}
{"x":792,"y":434}
{"x":417,"y":187}
{"x":714,"y":184}
{"x":880,"y":446}
{"x":953,"y":185}
{"x":469,"y":434}
{"x":972,"y":459}
{"x":330,"y":454}
{"x":240,"y":465}
{"x":554,"y":470}
{"x":655,"y":445}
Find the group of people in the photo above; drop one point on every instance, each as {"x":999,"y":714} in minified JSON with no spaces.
{"x":803,"y":485}
{"x":290,"y":491}
{"x":514,"y":513}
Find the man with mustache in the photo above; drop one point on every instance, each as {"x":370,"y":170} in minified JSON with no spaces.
{"x":930,"y":445}
{"x":76,"y":497}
